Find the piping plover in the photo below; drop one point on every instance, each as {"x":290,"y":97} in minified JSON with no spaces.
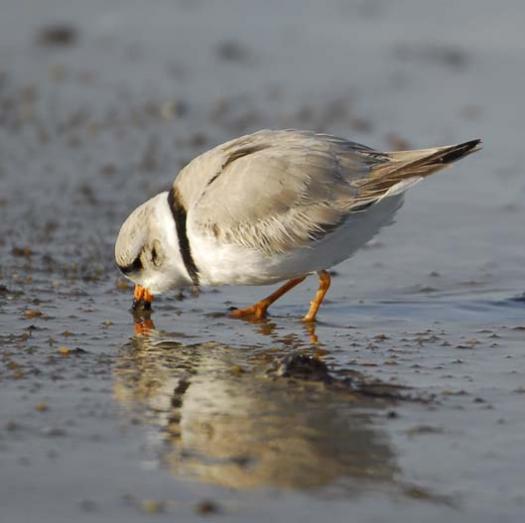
{"x":268,"y":207}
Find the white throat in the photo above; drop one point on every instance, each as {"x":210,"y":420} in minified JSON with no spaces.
{"x":173,"y":273}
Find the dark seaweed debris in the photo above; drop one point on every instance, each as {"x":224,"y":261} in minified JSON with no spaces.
{"x":306,"y":367}
{"x":303,"y":366}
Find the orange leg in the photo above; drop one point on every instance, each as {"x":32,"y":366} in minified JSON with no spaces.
{"x":258,"y":310}
{"x":324,"y":285}
{"x":142,"y":297}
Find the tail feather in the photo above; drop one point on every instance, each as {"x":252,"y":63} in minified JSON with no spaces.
{"x":404,"y":165}
{"x":436,"y":156}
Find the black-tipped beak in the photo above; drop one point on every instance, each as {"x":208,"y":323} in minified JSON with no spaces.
{"x":142,"y":299}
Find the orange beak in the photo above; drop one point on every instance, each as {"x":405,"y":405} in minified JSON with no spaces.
{"x":142,"y":298}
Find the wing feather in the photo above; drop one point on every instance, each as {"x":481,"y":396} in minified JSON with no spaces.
{"x":276,"y":191}
{"x":280,"y":190}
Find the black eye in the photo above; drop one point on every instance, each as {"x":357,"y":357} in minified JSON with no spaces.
{"x":156,"y":254}
{"x":134,"y":266}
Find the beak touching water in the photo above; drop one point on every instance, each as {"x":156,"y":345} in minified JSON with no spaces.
{"x":142,"y":298}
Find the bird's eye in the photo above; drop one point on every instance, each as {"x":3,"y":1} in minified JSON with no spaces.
{"x":156,"y":254}
{"x":134,"y":266}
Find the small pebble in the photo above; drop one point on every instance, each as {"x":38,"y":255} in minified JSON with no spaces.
{"x":152,"y":506}
{"x":207,"y":507}
{"x":53,"y":432}
{"x":57,"y":35}
{"x":41,"y":407}
{"x":32,"y":313}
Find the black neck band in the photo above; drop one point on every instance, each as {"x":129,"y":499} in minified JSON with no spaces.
{"x":179,"y":215}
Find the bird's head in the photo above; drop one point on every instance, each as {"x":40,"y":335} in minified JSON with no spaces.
{"x":147,"y":250}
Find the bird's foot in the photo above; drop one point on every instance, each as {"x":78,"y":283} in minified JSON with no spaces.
{"x":255,"y":312}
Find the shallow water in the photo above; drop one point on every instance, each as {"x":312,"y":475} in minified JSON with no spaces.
{"x":406,"y":400}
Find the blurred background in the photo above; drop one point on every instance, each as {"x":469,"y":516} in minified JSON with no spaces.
{"x":103,"y":101}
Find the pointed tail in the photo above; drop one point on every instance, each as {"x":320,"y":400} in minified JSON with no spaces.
{"x":407,"y":167}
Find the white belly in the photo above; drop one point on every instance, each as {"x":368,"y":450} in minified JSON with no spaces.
{"x":221,"y":264}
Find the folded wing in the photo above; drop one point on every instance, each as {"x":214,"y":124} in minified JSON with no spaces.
{"x":280,"y":190}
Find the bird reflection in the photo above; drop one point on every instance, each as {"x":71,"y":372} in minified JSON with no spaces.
{"x":224,"y":415}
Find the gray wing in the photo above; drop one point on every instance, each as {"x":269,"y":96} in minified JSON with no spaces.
{"x":275,"y":190}
{"x":280,"y":190}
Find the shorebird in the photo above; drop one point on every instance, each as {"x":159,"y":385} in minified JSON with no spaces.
{"x":269,"y":207}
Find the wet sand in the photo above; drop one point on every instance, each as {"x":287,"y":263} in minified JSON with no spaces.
{"x":406,"y":400}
